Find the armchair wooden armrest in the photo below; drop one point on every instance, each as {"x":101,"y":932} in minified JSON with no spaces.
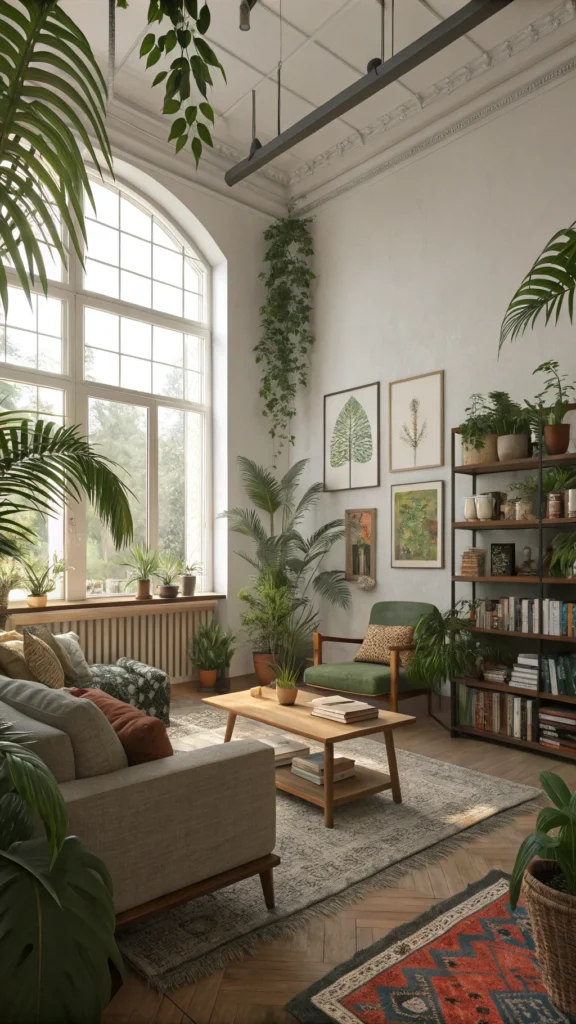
{"x":318,"y":639}
{"x":402,"y":647}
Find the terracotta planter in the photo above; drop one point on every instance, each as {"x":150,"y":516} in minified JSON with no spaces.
{"x":264,"y":667}
{"x":286,"y":694}
{"x":557,"y":438}
{"x":478,"y":456}
{"x":187,"y":586}
{"x":38,"y":601}
{"x":512,"y":446}
{"x":168,"y":591}
{"x":207,"y":677}
{"x":143,"y":590}
{"x":553,"y":917}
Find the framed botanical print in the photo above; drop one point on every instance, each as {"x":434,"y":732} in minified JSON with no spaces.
{"x":416,"y":422}
{"x":352,"y":438}
{"x":418,"y":525}
{"x":360,"y":530}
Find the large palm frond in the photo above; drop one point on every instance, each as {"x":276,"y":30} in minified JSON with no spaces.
{"x":307,"y":502}
{"x":40,"y":463}
{"x":261,"y":486}
{"x":247,"y":522}
{"x":52,"y":98}
{"x":332,"y":585}
{"x":550,"y":281}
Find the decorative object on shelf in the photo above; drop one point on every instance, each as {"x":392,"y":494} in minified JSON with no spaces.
{"x":41,"y":577}
{"x":473,"y":562}
{"x":549,"y":887}
{"x":211,"y":650}
{"x":365,"y":583}
{"x":479,"y":440}
{"x":485,"y":506}
{"x":499,"y":497}
{"x":551,"y":417}
{"x":572,"y":503}
{"x":509,"y":509}
{"x":360,"y":528}
{"x":510,"y":422}
{"x":285,"y":337}
{"x":470,"y":512}
{"x":416,"y":422}
{"x":555,"y":505}
{"x":188,"y":578}
{"x":525,"y":510}
{"x":418,"y":525}
{"x":352,"y":438}
{"x":169,"y":570}
{"x":502,"y":559}
{"x":527,"y":566}
{"x":143,"y":563}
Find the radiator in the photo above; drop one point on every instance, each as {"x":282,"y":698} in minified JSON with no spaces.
{"x":145,"y":633}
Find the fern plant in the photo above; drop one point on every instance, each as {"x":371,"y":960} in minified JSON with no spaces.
{"x":548,"y":286}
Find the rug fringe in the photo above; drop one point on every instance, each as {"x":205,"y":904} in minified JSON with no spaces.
{"x":243,"y":946}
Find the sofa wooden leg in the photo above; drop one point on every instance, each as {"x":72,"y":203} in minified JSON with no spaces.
{"x":267,"y":880}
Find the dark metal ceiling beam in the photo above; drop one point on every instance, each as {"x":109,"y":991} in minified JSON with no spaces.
{"x":452,"y":28}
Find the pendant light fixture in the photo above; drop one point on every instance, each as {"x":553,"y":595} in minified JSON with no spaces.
{"x":245,"y":9}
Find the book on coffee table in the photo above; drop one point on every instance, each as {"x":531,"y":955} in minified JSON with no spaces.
{"x":318,"y":780}
{"x":285,"y":748}
{"x":345,"y":710}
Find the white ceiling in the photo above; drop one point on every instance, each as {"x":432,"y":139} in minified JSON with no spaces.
{"x":326,"y":45}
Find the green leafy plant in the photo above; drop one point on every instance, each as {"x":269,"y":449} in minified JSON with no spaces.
{"x":506,"y":416}
{"x":143,"y":564}
{"x":563,"y":555}
{"x":190,"y":569}
{"x":212,"y":647}
{"x":445,"y":647}
{"x":478,"y":423}
{"x":41,"y":576}
{"x":555,"y":479}
{"x":285,"y":325}
{"x":351,"y":439}
{"x":549,"y":282}
{"x":169,"y":570}
{"x":288,"y":672}
{"x":56,"y":908}
{"x":267,"y":620}
{"x":11,"y":577}
{"x":560,"y":847}
{"x":541,"y":411}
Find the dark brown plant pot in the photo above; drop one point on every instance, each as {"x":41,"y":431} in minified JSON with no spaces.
{"x":264,"y":667}
{"x":557,"y":438}
{"x":143,"y":591}
{"x":553,"y":917}
{"x":168,"y":591}
{"x":207,"y":677}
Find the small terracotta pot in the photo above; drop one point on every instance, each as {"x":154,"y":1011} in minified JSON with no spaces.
{"x":143,"y":591}
{"x":512,"y":447}
{"x":479,"y":456}
{"x":187,"y":585}
{"x":286,"y":694}
{"x":557,"y":438}
{"x":207,"y":677}
{"x":553,"y":917}
{"x":168,"y":591}
{"x":264,"y":667}
{"x":38,"y":601}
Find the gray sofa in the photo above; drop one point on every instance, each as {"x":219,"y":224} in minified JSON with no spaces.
{"x":160,"y":827}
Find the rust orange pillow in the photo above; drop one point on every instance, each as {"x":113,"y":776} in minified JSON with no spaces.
{"x":143,"y":738}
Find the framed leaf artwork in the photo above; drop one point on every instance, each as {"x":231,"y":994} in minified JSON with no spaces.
{"x":360,"y":530}
{"x":416,"y":422}
{"x":418,"y":525}
{"x":352,"y":438}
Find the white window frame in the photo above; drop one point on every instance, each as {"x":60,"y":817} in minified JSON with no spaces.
{"x":78,"y":391}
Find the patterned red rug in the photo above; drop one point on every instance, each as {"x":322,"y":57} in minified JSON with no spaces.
{"x":469,"y":960}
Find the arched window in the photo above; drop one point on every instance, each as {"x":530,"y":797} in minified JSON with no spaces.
{"x":122,"y":347}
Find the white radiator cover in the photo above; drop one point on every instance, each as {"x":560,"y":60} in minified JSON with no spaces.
{"x":157,"y":635}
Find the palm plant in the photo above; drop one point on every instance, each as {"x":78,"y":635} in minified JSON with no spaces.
{"x":142,"y":562}
{"x":168,"y":570}
{"x":548,"y":283}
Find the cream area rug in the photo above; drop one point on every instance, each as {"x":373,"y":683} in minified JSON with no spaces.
{"x":373,"y":843}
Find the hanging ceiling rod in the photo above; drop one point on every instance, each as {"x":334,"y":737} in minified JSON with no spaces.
{"x":474,"y":13}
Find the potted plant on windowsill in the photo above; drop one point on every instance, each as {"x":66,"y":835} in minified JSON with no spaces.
{"x":41,"y":577}
{"x":11,"y":577}
{"x":188,"y":578}
{"x":143,"y":563}
{"x":551,"y":417}
{"x":545,"y":870}
{"x":477,"y":432}
{"x":168,"y":571}
{"x":211,"y":650}
{"x":510,"y":422}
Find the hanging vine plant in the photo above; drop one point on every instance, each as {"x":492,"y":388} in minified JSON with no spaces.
{"x":285,"y":322}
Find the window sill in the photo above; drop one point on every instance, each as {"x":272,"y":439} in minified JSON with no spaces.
{"x":115,"y":601}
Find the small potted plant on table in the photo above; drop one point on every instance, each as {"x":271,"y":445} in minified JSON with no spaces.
{"x":211,"y":650}
{"x":169,"y":570}
{"x":143,"y":563}
{"x":556,"y":432}
{"x":287,"y":673}
{"x":188,"y":578}
{"x":41,"y":578}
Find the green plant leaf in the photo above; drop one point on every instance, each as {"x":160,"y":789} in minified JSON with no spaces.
{"x":159,"y":78}
{"x":351,"y":439}
{"x":147,"y":43}
{"x":153,"y":57}
{"x":206,"y":109}
{"x":204,"y":133}
{"x":16,"y":822}
{"x":556,"y":789}
{"x":203,"y":22}
{"x":178,"y":128}
{"x":196,"y":149}
{"x":550,"y":281}
{"x":171,"y":107}
{"x":191,"y":113}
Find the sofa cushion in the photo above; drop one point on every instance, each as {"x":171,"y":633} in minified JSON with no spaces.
{"x":71,"y":644}
{"x":143,"y":738}
{"x":52,"y":745}
{"x":377,"y":640}
{"x":97,"y":749}
{"x":12,"y":661}
{"x":42,"y":662}
{"x":356,"y":677}
{"x":45,"y":633}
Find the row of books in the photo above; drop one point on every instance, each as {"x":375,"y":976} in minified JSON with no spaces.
{"x":522,"y":615}
{"x":558,"y":729}
{"x":312,"y":768}
{"x":556,"y":674}
{"x":499,"y":713}
{"x":343,"y":709}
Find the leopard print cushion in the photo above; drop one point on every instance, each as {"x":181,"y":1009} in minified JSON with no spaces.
{"x":376,"y":644}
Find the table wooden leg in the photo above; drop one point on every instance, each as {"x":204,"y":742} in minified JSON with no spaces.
{"x":392,"y":766}
{"x":329,"y":785}
{"x":267,"y":880}
{"x":230,"y":726}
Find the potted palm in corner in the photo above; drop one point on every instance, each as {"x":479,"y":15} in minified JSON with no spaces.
{"x":143,"y":565}
{"x":211,"y":650}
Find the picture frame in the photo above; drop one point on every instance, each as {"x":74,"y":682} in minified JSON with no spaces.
{"x":352,"y":438}
{"x":360,"y":530}
{"x":416,"y":422}
{"x":417,"y":521}
{"x":502,"y":559}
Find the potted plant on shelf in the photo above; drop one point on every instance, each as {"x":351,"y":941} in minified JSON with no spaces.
{"x":526,"y":492}
{"x":11,"y":577}
{"x":545,"y":869}
{"x":41,"y":577}
{"x":188,"y":578}
{"x":168,"y":571}
{"x":551,"y":417}
{"x":211,"y":650}
{"x":287,"y":673}
{"x":479,"y":439}
{"x":510,"y":422}
{"x":143,"y":563}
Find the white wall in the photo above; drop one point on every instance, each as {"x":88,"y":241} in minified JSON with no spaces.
{"x":414,"y":274}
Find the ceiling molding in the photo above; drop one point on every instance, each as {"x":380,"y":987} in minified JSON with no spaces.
{"x":517,"y":43}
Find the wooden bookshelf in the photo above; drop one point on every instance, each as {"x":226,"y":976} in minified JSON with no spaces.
{"x":470,"y":730}
{"x":524,"y":636}
{"x":520,"y":580}
{"x":533,"y":465}
{"x":515,"y":691}
{"x":512,"y":524}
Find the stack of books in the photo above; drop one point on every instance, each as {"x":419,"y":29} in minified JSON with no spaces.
{"x":473,"y":562}
{"x":499,"y":713}
{"x":558,"y":729}
{"x":285,"y":748}
{"x":342,"y":709}
{"x":522,"y":615}
{"x":559,"y":675}
{"x":312,"y":768}
{"x":525,"y":673}
{"x":496,"y":673}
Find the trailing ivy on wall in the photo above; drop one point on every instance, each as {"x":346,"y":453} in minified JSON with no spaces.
{"x":285,"y":322}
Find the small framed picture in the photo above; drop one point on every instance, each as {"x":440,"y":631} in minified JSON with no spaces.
{"x":502,"y":559}
{"x":418,"y":525}
{"x":360,"y":529}
{"x":352,"y":438}
{"x":416,"y":422}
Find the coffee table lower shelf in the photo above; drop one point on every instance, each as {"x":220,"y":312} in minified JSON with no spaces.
{"x":366,"y":782}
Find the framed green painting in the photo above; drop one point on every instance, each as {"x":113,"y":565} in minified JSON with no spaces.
{"x":418,"y":525}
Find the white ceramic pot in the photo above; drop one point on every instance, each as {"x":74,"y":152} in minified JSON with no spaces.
{"x":470,"y":508}
{"x":512,"y":446}
{"x":484,"y":506}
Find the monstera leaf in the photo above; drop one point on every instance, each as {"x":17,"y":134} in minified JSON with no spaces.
{"x":56,"y":934}
{"x":352,"y":437}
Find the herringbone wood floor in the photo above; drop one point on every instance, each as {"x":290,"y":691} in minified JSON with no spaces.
{"x":255,"y":990}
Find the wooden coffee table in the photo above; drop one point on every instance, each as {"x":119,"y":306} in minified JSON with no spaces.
{"x":297,"y":718}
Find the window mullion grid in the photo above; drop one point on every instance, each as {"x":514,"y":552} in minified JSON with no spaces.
{"x":153,"y":495}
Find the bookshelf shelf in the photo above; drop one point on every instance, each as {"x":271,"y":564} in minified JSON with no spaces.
{"x":524,"y":636}
{"x":512,"y":524}
{"x":516,"y":691}
{"x":521,"y":580}
{"x":469,"y":730}
{"x":487,"y":468}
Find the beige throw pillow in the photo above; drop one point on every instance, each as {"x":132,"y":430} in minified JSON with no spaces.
{"x":45,"y":633}
{"x":10,"y":634}
{"x":42,"y":662}
{"x":376,"y":644}
{"x":71,"y":644}
{"x":12,"y":661}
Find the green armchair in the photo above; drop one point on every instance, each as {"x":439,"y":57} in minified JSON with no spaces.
{"x":367,"y":679}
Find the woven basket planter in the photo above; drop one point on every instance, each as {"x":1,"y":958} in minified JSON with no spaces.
{"x":479,"y":456}
{"x":553,"y":917}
